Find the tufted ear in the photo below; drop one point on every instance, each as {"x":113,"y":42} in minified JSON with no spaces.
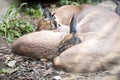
{"x":45,"y":12}
{"x":73,"y":28}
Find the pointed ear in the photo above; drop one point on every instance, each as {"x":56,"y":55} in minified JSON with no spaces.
{"x":53,"y":16}
{"x":47,"y":14}
{"x":73,"y":28}
{"x":41,"y":9}
{"x":54,"y":24}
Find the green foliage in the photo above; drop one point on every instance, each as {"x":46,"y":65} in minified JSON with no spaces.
{"x":32,"y":11}
{"x":77,"y":2}
{"x":9,"y":70}
{"x":64,"y":2}
{"x":11,"y":26}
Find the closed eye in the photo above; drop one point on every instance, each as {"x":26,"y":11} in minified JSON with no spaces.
{"x":60,"y":48}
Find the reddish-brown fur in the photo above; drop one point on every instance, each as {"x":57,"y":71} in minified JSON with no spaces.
{"x":42,"y":24}
{"x":42,"y":44}
{"x":94,"y":19}
{"x":63,"y":16}
{"x":100,"y":47}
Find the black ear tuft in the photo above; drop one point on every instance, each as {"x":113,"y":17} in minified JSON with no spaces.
{"x":73,"y":25}
{"x":47,"y":13}
{"x":53,"y":16}
{"x":41,"y":8}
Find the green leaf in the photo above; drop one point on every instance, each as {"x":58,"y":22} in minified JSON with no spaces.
{"x":11,"y":26}
{"x":17,"y":34}
{"x":9,"y":70}
{"x":9,"y":11}
{"x":10,"y":36}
